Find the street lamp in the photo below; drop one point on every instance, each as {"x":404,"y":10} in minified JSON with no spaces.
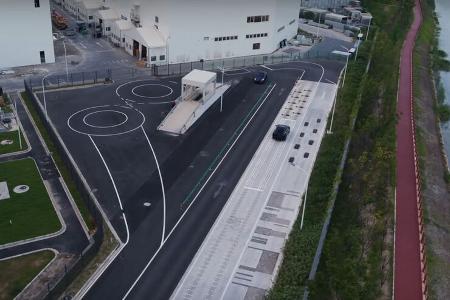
{"x":43,"y":93}
{"x":221,"y":97}
{"x":368,"y":28}
{"x":65,"y":56}
{"x":360,"y":35}
{"x":330,"y":130}
{"x":306,"y":193}
{"x":349,"y":52}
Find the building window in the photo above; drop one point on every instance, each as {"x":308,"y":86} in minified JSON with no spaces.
{"x":156,"y":19}
{"x":36,"y":3}
{"x":123,"y":40}
{"x":255,"y":35}
{"x":153,"y":58}
{"x":225,"y":38}
{"x":256,"y":46}
{"x":162,"y":57}
{"x":206,"y":38}
{"x":108,"y":28}
{"x":42,"y":54}
{"x":258,"y":19}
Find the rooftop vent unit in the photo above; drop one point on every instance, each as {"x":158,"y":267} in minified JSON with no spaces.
{"x":135,"y":15}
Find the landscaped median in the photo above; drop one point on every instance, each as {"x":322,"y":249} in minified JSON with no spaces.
{"x":26,"y":210}
{"x":17,"y":272}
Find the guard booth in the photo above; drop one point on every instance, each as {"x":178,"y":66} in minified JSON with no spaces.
{"x":198,"y":85}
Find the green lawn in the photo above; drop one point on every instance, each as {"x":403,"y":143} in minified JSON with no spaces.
{"x":17,"y":272}
{"x":14,"y":136}
{"x":31,"y":213}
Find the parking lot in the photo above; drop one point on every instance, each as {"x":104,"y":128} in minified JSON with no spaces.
{"x":162,"y":193}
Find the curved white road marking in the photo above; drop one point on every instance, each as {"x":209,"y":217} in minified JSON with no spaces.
{"x":152,"y":84}
{"x":115,"y":189}
{"x":106,"y":134}
{"x":196,"y":196}
{"x":162,"y":186}
{"x":101,"y":111}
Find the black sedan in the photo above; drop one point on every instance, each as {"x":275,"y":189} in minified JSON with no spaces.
{"x":260,"y":77}
{"x":281,"y":132}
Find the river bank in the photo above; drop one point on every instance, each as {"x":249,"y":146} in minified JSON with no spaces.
{"x":433,"y":161}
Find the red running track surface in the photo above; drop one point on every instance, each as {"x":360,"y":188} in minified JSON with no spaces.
{"x":408,"y":276}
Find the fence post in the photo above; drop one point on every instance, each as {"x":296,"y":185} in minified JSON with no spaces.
{"x":180,"y":68}
{"x":82,"y":77}
{"x":95,"y":77}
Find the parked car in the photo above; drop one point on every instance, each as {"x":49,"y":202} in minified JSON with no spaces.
{"x":260,"y":77}
{"x":281,"y":132}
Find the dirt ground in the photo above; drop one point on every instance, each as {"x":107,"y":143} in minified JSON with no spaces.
{"x":435,"y":192}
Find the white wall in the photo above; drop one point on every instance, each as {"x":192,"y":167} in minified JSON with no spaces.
{"x":190,"y":26}
{"x":25,"y":31}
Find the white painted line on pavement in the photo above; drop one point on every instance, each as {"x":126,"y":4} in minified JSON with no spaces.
{"x":196,"y":196}
{"x":115,"y":188}
{"x":162,"y":185}
{"x":266,"y":67}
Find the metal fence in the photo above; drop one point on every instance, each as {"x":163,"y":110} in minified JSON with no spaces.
{"x":238,"y":62}
{"x":57,"y":81}
{"x":62,"y":281}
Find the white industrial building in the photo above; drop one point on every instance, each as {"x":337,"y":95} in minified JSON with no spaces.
{"x":162,"y":31}
{"x":26,"y":31}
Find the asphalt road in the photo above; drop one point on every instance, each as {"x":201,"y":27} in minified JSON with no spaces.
{"x":183,"y":161}
{"x":407,"y":280}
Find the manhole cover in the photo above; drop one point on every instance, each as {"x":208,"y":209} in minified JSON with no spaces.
{"x":6,"y":142}
{"x":21,"y":189}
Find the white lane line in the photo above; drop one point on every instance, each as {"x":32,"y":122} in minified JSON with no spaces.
{"x":266,"y":67}
{"x":196,"y":196}
{"x":174,"y":82}
{"x":100,"y":45}
{"x":297,"y":130}
{"x":196,"y":257}
{"x":330,"y":81}
{"x":115,"y":189}
{"x":162,"y":185}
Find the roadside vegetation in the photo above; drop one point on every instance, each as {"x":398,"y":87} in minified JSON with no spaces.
{"x":17,"y":272}
{"x":25,"y":215}
{"x":301,"y":245}
{"x":356,"y":262}
{"x":358,"y":255}
{"x":87,"y":217}
{"x":434,"y":173}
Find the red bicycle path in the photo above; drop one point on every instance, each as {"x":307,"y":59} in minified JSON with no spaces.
{"x":408,"y":276}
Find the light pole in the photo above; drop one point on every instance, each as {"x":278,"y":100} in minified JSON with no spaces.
{"x":329,"y":131}
{"x":65,"y":56}
{"x":43,"y":93}
{"x":368,"y":28}
{"x":360,"y":35}
{"x":349,"y":52}
{"x":306,"y":193}
{"x":221,"y":97}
